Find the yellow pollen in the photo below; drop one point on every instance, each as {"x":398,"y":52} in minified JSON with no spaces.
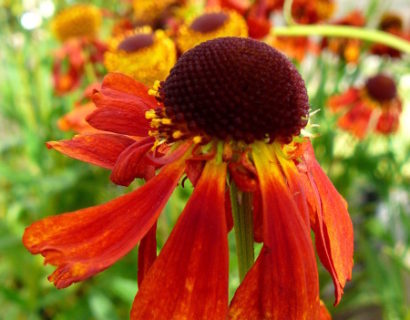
{"x":155,"y":123}
{"x":156,"y":85}
{"x":177,"y":134}
{"x":153,"y":92}
{"x":166,"y":121}
{"x":197,"y":139}
{"x":150,"y":114}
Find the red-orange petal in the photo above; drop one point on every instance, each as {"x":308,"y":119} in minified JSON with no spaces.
{"x":100,"y":149}
{"x":117,"y":83}
{"x":124,"y":114}
{"x":85,"y":242}
{"x":283,"y":283}
{"x":189,"y":279}
{"x":330,"y":222}
{"x":344,"y":100}
{"x":122,"y":103}
{"x":147,"y":253}
{"x":75,"y":119}
{"x":357,"y":119}
{"x":130,"y":164}
{"x":324,"y":313}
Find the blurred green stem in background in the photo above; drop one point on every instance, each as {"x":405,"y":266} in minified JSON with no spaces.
{"x":337,"y":31}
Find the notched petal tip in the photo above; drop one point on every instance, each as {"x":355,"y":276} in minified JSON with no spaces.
{"x":85,"y":242}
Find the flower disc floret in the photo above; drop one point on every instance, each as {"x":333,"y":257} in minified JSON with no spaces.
{"x":381,"y":88}
{"x":236,"y":88}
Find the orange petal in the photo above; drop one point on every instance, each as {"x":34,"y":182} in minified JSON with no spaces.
{"x":283,"y":283}
{"x":117,"y":83}
{"x":130,"y":164}
{"x":147,"y":253}
{"x":85,"y":242}
{"x":75,"y":119}
{"x":331,"y":224}
{"x":100,"y":149}
{"x":324,"y":313}
{"x":122,"y":103}
{"x":344,"y":100}
{"x":189,"y":279}
{"x":357,"y":119}
{"x":123,"y":114}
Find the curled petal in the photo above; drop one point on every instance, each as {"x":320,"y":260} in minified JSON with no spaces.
{"x":75,"y":119}
{"x":131,"y":163}
{"x":122,"y":103}
{"x":100,"y":149}
{"x":189,"y":279}
{"x":283,"y":283}
{"x":85,"y":242}
{"x":331,"y":223}
{"x":117,"y":83}
{"x":344,"y":100}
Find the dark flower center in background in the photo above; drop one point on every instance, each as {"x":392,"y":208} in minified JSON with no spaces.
{"x":381,"y":88}
{"x":209,"y":22}
{"x":391,"y":21}
{"x":236,"y":88}
{"x":136,"y":42}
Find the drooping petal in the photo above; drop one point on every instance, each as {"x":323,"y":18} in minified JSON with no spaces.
{"x":130,"y":164}
{"x":100,"y":149}
{"x":75,"y":119}
{"x":85,"y":242}
{"x":115,"y":83}
{"x":147,"y":253}
{"x":283,"y":283}
{"x":330,"y":222}
{"x":124,"y":114}
{"x":122,"y":103}
{"x":324,"y":313}
{"x":189,"y":279}
{"x":357,"y":119}
{"x":344,"y":100}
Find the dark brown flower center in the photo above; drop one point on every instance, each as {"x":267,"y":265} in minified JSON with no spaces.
{"x":209,"y":22}
{"x":381,"y":88}
{"x":236,"y":88}
{"x":391,"y":22}
{"x":136,"y":42}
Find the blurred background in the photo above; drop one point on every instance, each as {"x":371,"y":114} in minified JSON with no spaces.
{"x":370,"y":167}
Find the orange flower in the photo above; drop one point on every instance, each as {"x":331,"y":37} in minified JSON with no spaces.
{"x":70,"y":62}
{"x":75,"y":120}
{"x":391,"y":23}
{"x":372,"y":107}
{"x":347,"y":49}
{"x":221,"y":121}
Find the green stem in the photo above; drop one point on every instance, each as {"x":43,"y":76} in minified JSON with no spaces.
{"x":344,"y":32}
{"x":243,"y":224}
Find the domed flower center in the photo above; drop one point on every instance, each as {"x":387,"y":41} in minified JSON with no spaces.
{"x":381,"y":88}
{"x":236,"y":88}
{"x":391,"y":22}
{"x":209,"y":22}
{"x":136,"y":42}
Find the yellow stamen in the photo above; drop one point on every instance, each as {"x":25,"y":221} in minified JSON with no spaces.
{"x":150,"y":114}
{"x":177,"y":134}
{"x":197,"y":139}
{"x":166,"y":121}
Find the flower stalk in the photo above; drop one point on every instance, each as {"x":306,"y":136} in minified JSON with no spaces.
{"x":243,"y":225}
{"x":371,"y":35}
